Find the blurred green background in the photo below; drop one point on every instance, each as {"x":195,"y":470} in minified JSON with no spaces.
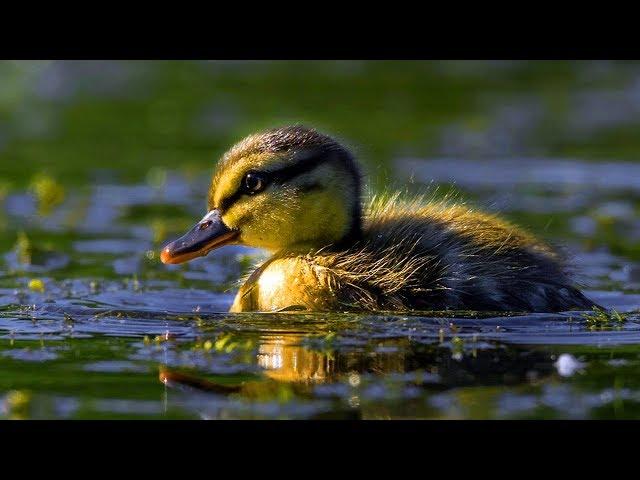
{"x":68,"y":125}
{"x":75,"y":119}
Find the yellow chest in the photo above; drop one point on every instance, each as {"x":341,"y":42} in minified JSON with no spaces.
{"x":290,"y":283}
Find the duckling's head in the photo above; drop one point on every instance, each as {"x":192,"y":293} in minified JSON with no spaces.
{"x":290,"y":188}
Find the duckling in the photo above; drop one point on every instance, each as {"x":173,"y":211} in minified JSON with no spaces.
{"x":297,"y":193}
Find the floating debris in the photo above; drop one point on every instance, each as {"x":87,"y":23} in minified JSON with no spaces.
{"x":567,"y":365}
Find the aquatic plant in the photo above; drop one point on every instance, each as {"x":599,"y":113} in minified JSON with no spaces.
{"x":23,"y":248}
{"x":16,"y":404}
{"x":601,"y":318}
{"x":48,"y":192}
{"x":36,"y":285}
{"x":457,"y":348}
{"x":5,"y":187}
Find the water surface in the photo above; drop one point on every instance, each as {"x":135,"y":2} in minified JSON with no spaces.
{"x":113,"y":333}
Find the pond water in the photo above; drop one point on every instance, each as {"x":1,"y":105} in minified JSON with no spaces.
{"x":111,"y":332}
{"x":92,"y":325}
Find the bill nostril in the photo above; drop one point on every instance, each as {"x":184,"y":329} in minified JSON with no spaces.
{"x":206,"y":224}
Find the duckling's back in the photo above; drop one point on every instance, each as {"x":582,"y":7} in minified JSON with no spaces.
{"x":434,"y":256}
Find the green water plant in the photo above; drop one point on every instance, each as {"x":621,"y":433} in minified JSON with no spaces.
{"x":23,"y":248}
{"x":48,"y":192}
{"x":601,"y":318}
{"x":457,"y":348}
{"x":5,"y":188}
{"x":16,"y":404}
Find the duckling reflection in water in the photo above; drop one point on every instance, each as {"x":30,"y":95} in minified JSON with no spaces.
{"x":283,"y":358}
{"x":298,"y":193}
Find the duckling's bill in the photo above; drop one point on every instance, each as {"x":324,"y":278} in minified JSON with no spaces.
{"x":208,"y":234}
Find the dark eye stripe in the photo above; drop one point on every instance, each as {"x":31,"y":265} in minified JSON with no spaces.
{"x":305,"y":164}
{"x":227,"y":202}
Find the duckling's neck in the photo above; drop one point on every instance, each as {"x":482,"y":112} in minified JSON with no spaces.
{"x":352,"y":234}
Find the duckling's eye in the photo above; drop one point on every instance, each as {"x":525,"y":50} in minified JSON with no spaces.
{"x":254,"y":182}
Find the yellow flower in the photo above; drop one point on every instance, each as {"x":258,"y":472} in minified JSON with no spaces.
{"x":36,"y":285}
